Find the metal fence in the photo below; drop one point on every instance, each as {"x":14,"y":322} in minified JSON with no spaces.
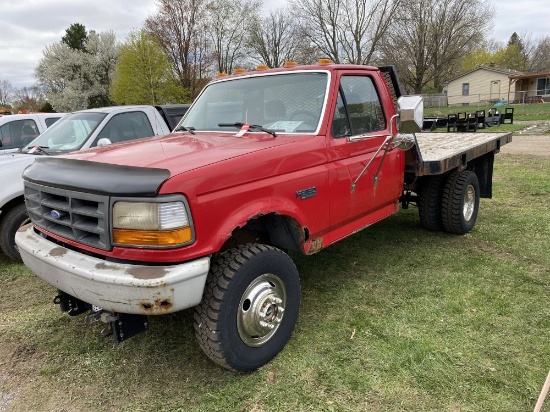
{"x":435,"y":100}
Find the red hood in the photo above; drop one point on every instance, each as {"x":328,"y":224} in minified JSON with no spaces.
{"x":197,"y":150}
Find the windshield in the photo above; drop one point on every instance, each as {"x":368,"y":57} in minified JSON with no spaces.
{"x":69,"y":133}
{"x":284,"y":102}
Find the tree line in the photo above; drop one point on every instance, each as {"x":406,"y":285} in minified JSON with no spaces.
{"x":185,"y":43}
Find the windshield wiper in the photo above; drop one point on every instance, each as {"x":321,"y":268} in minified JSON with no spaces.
{"x":185,"y":129}
{"x":252,"y":126}
{"x":38,"y":149}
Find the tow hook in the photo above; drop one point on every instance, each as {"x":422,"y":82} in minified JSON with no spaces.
{"x":101,"y":315}
{"x":70,"y":304}
{"x":122,"y":326}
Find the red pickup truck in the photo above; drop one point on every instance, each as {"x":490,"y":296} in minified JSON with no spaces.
{"x":264,"y":162}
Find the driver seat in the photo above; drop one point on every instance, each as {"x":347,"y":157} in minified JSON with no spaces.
{"x":275,"y":110}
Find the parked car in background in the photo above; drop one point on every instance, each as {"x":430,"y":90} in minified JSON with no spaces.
{"x":17,"y":130}
{"x":76,"y":131}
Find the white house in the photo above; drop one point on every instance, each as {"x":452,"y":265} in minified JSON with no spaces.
{"x":483,"y":85}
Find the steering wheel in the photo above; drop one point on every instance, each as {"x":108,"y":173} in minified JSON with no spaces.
{"x":313,"y":116}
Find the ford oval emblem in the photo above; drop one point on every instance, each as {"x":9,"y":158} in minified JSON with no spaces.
{"x":57,"y":214}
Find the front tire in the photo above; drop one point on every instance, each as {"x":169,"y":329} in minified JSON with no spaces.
{"x":11,"y":222}
{"x":460,"y":202}
{"x":249,"y":308}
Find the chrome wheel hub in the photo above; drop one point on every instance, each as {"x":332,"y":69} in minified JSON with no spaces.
{"x":261,"y":310}
{"x":469,"y":202}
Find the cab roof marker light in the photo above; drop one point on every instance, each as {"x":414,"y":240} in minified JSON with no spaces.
{"x":239,"y":71}
{"x":290,"y":64}
{"x":262,"y":67}
{"x":221,"y":75}
{"x":324,"y":62}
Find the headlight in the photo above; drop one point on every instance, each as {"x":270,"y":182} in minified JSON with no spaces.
{"x":151,"y":224}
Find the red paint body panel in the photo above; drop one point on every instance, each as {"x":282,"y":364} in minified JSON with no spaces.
{"x":227,"y":179}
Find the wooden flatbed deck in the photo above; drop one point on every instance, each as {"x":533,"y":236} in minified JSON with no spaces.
{"x":437,"y":153}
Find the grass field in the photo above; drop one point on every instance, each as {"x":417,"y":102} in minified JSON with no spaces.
{"x":394,"y":318}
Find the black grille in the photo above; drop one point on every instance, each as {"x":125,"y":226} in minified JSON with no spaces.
{"x":82,"y":217}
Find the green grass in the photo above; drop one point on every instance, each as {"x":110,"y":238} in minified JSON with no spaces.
{"x":394,"y":318}
{"x":527,"y":112}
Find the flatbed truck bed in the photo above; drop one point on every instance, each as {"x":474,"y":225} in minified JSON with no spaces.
{"x":437,"y":153}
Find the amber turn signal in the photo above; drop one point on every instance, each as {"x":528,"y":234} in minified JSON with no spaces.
{"x":152,"y":237}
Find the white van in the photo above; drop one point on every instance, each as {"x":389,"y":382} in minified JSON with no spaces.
{"x":17,"y":130}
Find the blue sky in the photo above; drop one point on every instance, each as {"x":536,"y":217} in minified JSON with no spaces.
{"x":28,"y":26}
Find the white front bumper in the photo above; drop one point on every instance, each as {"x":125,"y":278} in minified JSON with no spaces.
{"x":117,"y":287}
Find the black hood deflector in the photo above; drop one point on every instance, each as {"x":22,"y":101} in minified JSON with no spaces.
{"x":93,"y":177}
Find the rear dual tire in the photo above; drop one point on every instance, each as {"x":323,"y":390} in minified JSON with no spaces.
{"x":429,"y":203}
{"x":449,"y":203}
{"x":460,"y":202}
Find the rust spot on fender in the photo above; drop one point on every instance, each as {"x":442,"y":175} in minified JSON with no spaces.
{"x":315,"y":246}
{"x":57,"y":251}
{"x":147,"y":272}
{"x":159,"y":305}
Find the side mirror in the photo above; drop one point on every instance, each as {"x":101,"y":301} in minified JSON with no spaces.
{"x":103,"y":142}
{"x":411,"y":114}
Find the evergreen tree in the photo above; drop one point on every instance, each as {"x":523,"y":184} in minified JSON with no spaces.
{"x":75,"y":37}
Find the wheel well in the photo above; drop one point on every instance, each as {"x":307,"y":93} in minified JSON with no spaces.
{"x":11,"y":204}
{"x":273,"y":229}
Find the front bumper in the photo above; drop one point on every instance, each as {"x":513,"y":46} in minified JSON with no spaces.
{"x":116,"y":287}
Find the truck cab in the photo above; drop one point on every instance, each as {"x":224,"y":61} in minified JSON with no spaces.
{"x":17,"y":130}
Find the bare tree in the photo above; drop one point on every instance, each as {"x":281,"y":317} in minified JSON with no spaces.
{"x":179,"y":26}
{"x":227,"y":29}
{"x":408,"y":44}
{"x":458,"y":26}
{"x":6,"y":93}
{"x":319,"y":23}
{"x":540,"y":57}
{"x":29,"y":98}
{"x":433,"y":36}
{"x":274,"y":38}
{"x":365,"y":23}
{"x":346,"y":31}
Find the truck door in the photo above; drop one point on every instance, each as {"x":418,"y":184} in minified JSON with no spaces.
{"x":363,"y":110}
